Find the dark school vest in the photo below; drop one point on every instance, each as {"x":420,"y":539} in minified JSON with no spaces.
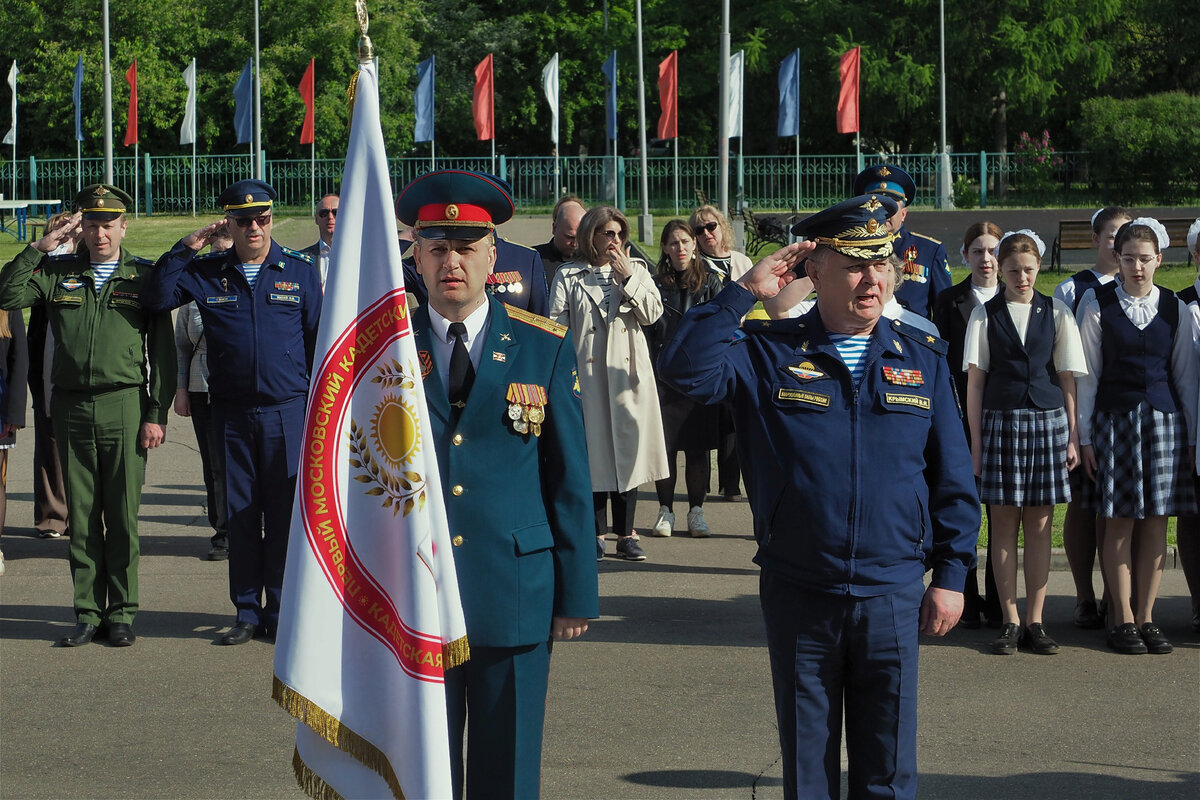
{"x":1136,"y":364}
{"x":1084,"y":279}
{"x":1021,"y":375}
{"x":1188,"y":295}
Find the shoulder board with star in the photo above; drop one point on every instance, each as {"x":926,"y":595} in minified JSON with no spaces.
{"x":212,"y":255}
{"x":148,"y":263}
{"x":934,"y":343}
{"x":287,"y":251}
{"x":767,"y":327}
{"x":61,"y":257}
{"x":511,"y":243}
{"x":929,"y":238}
{"x":536,"y":320}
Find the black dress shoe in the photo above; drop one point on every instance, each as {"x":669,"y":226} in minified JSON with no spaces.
{"x":1006,"y":643}
{"x":84,"y":632}
{"x":1126,"y":639}
{"x":1156,"y":641}
{"x":218,"y":552}
{"x":240,"y":633}
{"x":120,"y":634}
{"x":1036,"y":639}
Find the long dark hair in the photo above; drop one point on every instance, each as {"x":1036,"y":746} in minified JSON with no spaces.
{"x":693,"y":276}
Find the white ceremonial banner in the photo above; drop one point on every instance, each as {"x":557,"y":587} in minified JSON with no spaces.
{"x":737,"y":92}
{"x":550,"y":87}
{"x":187,"y":131}
{"x":371,"y":616}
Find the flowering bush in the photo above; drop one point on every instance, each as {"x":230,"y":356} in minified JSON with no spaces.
{"x":1036,"y":162}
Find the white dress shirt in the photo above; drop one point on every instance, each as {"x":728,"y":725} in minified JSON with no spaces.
{"x":478,"y":324}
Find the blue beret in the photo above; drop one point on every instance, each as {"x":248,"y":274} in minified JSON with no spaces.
{"x":454,"y":204}
{"x":247,"y":198}
{"x":855,"y":227}
{"x":888,"y":179}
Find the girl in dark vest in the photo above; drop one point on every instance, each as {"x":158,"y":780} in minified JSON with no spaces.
{"x":1133,"y":405}
{"x":1022,"y":354}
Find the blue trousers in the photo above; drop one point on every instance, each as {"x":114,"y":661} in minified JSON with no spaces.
{"x":260,"y":457}
{"x":835,"y":651}
{"x":499,"y":696}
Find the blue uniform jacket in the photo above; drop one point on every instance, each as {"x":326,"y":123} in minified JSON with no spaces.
{"x":926,"y":272}
{"x":510,"y":257}
{"x":854,"y":490}
{"x":261,"y":342}
{"x":519,"y":505}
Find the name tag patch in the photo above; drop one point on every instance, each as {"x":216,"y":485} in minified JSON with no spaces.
{"x":914,"y":400}
{"x":802,"y":396}
{"x":276,"y":297}
{"x":216,"y":300}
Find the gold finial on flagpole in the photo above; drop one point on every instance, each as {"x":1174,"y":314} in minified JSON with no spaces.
{"x":366,"y":49}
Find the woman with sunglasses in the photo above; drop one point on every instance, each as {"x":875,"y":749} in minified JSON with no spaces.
{"x":605,"y":297}
{"x":714,"y":237}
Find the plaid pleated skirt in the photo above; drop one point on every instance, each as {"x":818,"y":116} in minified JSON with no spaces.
{"x":1024,"y":457}
{"x":1142,"y":468}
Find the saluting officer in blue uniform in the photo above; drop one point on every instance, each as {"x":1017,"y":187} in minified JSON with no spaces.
{"x":508,"y":429}
{"x":260,"y":304}
{"x":861,"y":483}
{"x":926,"y":271}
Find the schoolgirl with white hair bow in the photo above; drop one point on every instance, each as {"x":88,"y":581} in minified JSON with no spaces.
{"x":1022,"y":356}
{"x":1136,"y":406}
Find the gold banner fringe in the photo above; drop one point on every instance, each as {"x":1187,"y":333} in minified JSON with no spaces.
{"x":351,"y":96}
{"x":330,"y":728}
{"x":455,"y":653}
{"x":313,"y":784}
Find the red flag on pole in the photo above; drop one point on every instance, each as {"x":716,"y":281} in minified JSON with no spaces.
{"x":847,"y":109}
{"x":668,"y":96}
{"x":483,"y":105}
{"x":307,"y":85}
{"x":131,"y":131}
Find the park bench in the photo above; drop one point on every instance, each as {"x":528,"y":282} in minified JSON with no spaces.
{"x":1076,"y":234}
{"x":761,"y":231}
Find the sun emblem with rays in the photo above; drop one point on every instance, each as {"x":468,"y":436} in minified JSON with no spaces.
{"x":394,"y":440}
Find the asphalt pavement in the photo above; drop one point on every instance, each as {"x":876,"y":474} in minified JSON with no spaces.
{"x":666,"y":696}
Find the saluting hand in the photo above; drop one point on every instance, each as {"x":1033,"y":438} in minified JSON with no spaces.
{"x":151,"y":435}
{"x":68,"y":231}
{"x":199,"y":239}
{"x":567,"y":628}
{"x":767,"y":277}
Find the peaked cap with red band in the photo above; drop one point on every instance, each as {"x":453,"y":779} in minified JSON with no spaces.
{"x":454,"y":204}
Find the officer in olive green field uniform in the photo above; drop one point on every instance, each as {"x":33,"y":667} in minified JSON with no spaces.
{"x":103,"y":417}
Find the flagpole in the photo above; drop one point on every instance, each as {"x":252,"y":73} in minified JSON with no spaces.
{"x":256,"y":165}
{"x":195,"y":191}
{"x":723,"y":115}
{"x":676,"y":174}
{"x":108,"y":144}
{"x":797,"y":130}
{"x":136,"y":184}
{"x":645,"y":219}
{"x":78,"y":166}
{"x":313,"y":174}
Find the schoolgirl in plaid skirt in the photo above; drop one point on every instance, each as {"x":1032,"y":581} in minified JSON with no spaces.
{"x":1136,"y":406}
{"x":1021,"y":356}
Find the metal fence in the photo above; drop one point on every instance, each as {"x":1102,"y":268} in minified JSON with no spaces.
{"x":177,"y":184}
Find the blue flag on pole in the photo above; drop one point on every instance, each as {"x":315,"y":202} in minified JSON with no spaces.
{"x":243,"y":104}
{"x":789,"y":95}
{"x":610,"y":72}
{"x":77,"y":96}
{"x":424,"y":100}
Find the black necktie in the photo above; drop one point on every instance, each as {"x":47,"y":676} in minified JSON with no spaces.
{"x":462,"y":374}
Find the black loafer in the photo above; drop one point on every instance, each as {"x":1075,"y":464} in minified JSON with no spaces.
{"x":240,"y":633}
{"x":84,"y":632}
{"x":1036,"y":639}
{"x":1087,"y":616}
{"x":1155,"y":641}
{"x":1006,"y":643}
{"x":120,"y":634}
{"x":1126,"y":639}
{"x":218,"y":553}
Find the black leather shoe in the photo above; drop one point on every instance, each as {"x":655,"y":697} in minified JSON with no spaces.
{"x":120,"y":634}
{"x":1126,"y":639}
{"x":1036,"y":639}
{"x":84,"y":632}
{"x":1155,"y":641}
{"x":240,"y":633}
{"x":1087,"y":615}
{"x":1006,"y":643}
{"x":218,"y":552}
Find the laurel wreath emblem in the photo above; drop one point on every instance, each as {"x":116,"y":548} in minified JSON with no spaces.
{"x":382,"y":454}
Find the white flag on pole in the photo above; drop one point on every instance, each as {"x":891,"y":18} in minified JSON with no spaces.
{"x":371,"y":616}
{"x":187,"y":131}
{"x":11,"y":136}
{"x":550,"y":86}
{"x":737,"y":72}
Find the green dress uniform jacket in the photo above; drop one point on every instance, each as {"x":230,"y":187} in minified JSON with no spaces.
{"x":100,"y":376}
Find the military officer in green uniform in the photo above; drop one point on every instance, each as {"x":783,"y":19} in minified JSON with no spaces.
{"x":109,"y":406}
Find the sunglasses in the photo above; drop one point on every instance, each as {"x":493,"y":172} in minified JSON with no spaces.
{"x":263,"y":221}
{"x":610,"y":235}
{"x":325,"y":213}
{"x":708,"y":226}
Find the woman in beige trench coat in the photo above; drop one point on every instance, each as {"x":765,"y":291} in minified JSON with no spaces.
{"x":605,"y":297}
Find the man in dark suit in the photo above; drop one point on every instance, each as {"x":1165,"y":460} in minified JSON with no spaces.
{"x":561,"y":247}
{"x":326,"y":219}
{"x":508,"y":430}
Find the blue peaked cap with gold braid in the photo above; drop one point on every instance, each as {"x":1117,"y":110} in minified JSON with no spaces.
{"x":855,"y":227}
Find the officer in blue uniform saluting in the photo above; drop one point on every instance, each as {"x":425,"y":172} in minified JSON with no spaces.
{"x":508,"y":428}
{"x":260,"y":304}
{"x":926,"y":271}
{"x":861,"y":482}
